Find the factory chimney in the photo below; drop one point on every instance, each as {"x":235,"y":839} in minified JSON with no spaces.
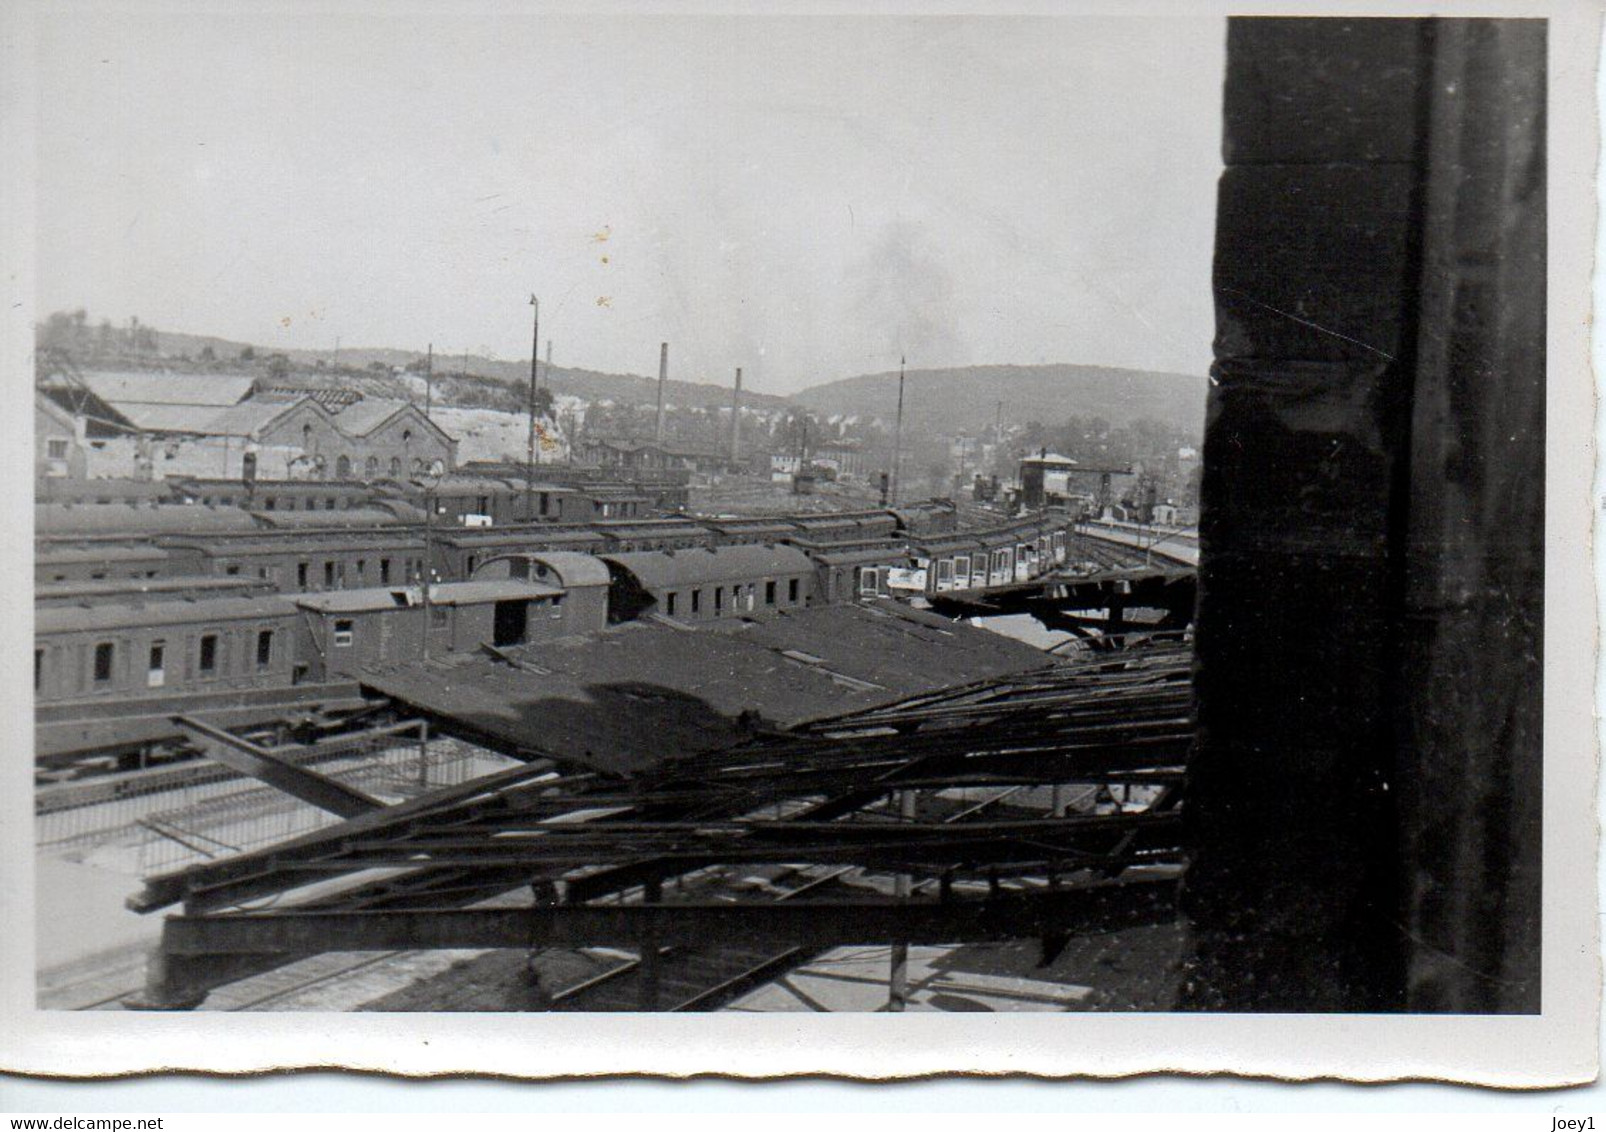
{"x":736,"y":418}
{"x":663,"y":376}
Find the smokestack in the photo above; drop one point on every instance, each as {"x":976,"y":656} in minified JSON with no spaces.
{"x":663,"y":376}
{"x":897,"y":434}
{"x":736,"y":418}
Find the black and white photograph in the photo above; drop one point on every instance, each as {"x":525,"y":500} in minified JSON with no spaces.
{"x":1072,"y":515}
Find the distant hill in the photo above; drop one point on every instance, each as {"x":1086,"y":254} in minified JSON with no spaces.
{"x":948,"y":400}
{"x":589,"y":385}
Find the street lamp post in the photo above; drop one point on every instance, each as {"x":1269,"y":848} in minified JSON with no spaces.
{"x":432,"y":477}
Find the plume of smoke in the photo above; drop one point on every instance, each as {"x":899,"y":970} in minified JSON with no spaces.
{"x":903,"y":299}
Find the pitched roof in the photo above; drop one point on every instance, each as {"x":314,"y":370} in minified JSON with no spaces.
{"x":249,"y":418}
{"x":362,"y":418}
{"x":52,"y":409}
{"x":128,"y":389}
{"x":172,"y":418}
{"x":80,"y":400}
{"x":329,"y":397}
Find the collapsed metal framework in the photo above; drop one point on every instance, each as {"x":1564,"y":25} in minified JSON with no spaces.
{"x":877,"y":794}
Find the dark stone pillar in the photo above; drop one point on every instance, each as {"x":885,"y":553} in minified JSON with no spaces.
{"x":1322,"y":522}
{"x":1469,"y":777}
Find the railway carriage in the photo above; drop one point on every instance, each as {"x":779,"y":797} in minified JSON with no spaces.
{"x":306,"y":561}
{"x":135,"y":649}
{"x":708,"y":584}
{"x":457,"y":554}
{"x":96,"y":560}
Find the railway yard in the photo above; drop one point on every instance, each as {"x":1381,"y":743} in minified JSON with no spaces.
{"x":914,"y":758}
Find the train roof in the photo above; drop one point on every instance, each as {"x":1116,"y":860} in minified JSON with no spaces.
{"x":262,"y":485}
{"x":107,"y":518}
{"x":651,"y":530}
{"x":107,"y":616}
{"x":307,"y":542}
{"x":573,"y":569}
{"x":442,"y":593}
{"x":400,"y":510}
{"x":457,"y":482}
{"x":522,"y":535}
{"x":863,"y":555}
{"x":960,"y":539}
{"x":754,"y":524}
{"x":54,"y":489}
{"x":51,"y":555}
{"x":608,"y":494}
{"x":350,"y":517}
{"x":656,"y":569}
{"x":170,"y":588}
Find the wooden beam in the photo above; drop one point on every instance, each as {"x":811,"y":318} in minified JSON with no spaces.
{"x":262,"y":764}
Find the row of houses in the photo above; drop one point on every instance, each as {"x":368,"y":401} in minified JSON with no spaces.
{"x":844,"y":459}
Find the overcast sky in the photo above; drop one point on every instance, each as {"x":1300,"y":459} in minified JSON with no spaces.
{"x":807,"y":198}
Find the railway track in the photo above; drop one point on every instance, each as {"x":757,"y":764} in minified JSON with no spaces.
{"x":683,"y":980}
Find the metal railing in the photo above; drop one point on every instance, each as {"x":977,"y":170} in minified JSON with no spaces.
{"x":158,"y":820}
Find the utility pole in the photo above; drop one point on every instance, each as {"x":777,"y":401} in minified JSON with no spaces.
{"x":535,"y":362}
{"x":897,"y":435}
{"x":430,"y":481}
{"x":736,"y":419}
{"x":429,"y":380}
{"x":549,"y":388}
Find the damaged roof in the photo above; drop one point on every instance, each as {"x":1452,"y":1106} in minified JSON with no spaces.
{"x":627,"y":697}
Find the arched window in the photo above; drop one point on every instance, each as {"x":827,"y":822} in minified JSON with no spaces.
{"x":407,"y":436}
{"x":343,"y":468}
{"x":418,"y":465}
{"x":306,"y":437}
{"x":395,"y":465}
{"x":370,"y":467}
